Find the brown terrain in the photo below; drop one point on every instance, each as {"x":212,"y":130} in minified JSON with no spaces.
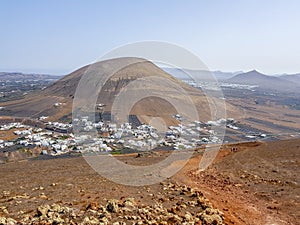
{"x":270,"y":117}
{"x":257,"y":184}
{"x":125,"y":71}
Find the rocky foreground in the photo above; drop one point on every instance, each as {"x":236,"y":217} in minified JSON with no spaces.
{"x":177,"y":204}
{"x":257,"y":184}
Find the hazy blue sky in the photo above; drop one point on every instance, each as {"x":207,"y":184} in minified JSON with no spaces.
{"x":60,"y":36}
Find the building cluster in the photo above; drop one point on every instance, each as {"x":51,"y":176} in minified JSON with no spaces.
{"x":87,"y":136}
{"x":111,"y":136}
{"x":50,"y":142}
{"x":216,"y":86}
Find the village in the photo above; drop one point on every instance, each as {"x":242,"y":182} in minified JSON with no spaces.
{"x":58,"y":138}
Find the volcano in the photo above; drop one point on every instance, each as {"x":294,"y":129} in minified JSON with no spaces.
{"x":56,"y":100}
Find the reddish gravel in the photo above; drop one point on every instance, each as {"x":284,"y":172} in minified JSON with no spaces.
{"x":258,"y":184}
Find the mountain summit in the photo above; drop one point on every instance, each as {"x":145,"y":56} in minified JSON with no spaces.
{"x":264,"y":81}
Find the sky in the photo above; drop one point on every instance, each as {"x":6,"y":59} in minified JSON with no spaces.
{"x":59,"y":36}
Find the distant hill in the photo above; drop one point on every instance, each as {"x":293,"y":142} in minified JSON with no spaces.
{"x":265,"y":82}
{"x":220,"y":75}
{"x":4,"y":76}
{"x":293,"y":78}
{"x":201,"y":74}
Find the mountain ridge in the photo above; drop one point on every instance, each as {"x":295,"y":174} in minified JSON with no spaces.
{"x":292,"y":77}
{"x":264,"y":81}
{"x":20,"y":75}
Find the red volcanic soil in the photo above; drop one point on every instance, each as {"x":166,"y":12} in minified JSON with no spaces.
{"x":257,"y":184}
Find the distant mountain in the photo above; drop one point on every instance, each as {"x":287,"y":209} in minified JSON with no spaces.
{"x":225,"y":75}
{"x":204,"y":75}
{"x":265,"y":82}
{"x":293,"y":78}
{"x":21,"y":76}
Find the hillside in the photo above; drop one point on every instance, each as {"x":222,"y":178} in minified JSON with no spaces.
{"x":264,"y":81}
{"x":42,"y":103}
{"x":203,"y":74}
{"x":293,"y":78}
{"x":14,"y":76}
{"x":257,"y":184}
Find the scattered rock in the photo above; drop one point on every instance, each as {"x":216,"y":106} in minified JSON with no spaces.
{"x":93,"y":206}
{"x":175,"y":204}
{"x":43,"y":210}
{"x":112,"y":206}
{"x":211,"y":216}
{"x":7,"y":221}
{"x":43,"y":196}
{"x":90,"y":220}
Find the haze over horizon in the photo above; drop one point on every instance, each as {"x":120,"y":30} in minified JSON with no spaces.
{"x":54,"y":37}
